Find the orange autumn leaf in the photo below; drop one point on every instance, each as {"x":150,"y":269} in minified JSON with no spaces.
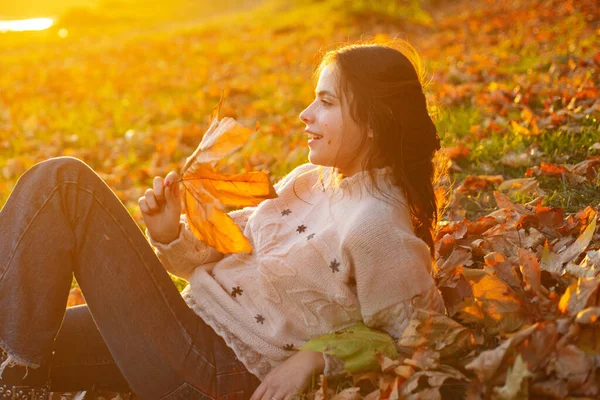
{"x":207,"y":192}
{"x":475,"y":183}
{"x":456,"y":152}
{"x":75,"y":297}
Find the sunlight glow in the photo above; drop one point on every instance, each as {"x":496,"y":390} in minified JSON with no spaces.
{"x":33,"y":24}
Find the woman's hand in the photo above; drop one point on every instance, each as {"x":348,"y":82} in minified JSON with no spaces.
{"x":161,"y":208}
{"x":290,"y":377}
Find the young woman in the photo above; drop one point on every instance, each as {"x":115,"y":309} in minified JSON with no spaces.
{"x":348,"y":239}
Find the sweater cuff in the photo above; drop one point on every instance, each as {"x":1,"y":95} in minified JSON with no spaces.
{"x":176,"y":247}
{"x":334,"y":367}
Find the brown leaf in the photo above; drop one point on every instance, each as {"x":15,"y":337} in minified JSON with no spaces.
{"x":455,"y":290}
{"x":348,"y":394}
{"x":516,"y":378}
{"x":456,"y":152}
{"x":502,"y":268}
{"x":425,"y":394}
{"x":530,"y":268}
{"x":435,"y":379}
{"x":437,"y":332}
{"x":324,"y":392}
{"x":558,"y":171}
{"x":405,"y":371}
{"x":520,"y":185}
{"x":552,"y":218}
{"x":578,"y":294}
{"x":551,"y":389}
{"x":588,"y":168}
{"x":374,"y":395}
{"x":488,"y":364}
{"x":387,"y":364}
{"x":573,"y":365}
{"x":586,"y":269}
{"x":473,"y":183}
{"x":457,"y":258}
{"x":494,"y":304}
{"x":424,"y":359}
{"x":588,"y":316}
{"x":551,"y":261}
{"x":537,"y":349}
{"x":504,"y":202}
{"x":372,"y":377}
{"x":481,"y":225}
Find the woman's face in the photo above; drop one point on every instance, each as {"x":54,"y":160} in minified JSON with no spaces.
{"x":334,"y":137}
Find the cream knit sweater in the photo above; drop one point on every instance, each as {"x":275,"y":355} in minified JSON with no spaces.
{"x":324,"y":258}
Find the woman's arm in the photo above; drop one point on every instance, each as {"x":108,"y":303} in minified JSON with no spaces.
{"x":391,"y":268}
{"x":181,"y":256}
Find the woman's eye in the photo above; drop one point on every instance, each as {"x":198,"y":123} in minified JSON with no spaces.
{"x":325,"y":103}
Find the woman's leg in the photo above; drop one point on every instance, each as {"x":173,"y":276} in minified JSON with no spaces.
{"x":80,"y":359}
{"x":62,"y":219}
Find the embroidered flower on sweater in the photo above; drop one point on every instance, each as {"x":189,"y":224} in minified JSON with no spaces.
{"x":285,"y":212}
{"x":236,"y":290}
{"x":260,"y":319}
{"x":301,"y":229}
{"x":334,"y":265}
{"x":312,"y":235}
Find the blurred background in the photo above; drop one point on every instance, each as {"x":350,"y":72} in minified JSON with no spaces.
{"x":128,"y":86}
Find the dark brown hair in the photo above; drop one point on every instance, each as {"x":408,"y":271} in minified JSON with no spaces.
{"x":383,"y":85}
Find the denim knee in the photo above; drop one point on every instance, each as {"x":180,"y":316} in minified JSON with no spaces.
{"x":60,"y":167}
{"x":62,"y":162}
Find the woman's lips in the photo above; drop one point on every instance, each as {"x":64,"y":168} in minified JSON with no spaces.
{"x":313,"y":136}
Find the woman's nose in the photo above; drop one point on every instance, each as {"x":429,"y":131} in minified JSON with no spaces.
{"x":304,"y":115}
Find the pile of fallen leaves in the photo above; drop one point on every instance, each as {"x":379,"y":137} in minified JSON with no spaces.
{"x":521,"y":287}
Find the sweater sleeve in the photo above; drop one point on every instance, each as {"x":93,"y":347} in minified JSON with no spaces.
{"x":392,"y":272}
{"x":184,"y":254}
{"x":391,"y":268}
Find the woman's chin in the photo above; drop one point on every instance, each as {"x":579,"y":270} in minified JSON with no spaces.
{"x":315,"y":159}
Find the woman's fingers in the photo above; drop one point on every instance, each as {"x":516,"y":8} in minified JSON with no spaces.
{"x":171,"y":177}
{"x":151,"y":201}
{"x":158,"y":189}
{"x":143,"y":205}
{"x":259,"y":392}
{"x":270,"y":395}
{"x":154,"y":198}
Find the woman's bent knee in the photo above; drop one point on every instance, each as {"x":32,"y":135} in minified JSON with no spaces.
{"x":63,"y":162}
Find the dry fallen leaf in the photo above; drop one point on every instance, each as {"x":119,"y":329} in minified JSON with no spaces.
{"x":516,"y":382}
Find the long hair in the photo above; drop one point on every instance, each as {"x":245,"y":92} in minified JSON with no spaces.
{"x":384,"y":89}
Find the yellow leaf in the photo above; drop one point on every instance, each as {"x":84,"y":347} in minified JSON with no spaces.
{"x":206,"y":192}
{"x":222,"y":138}
{"x":247,"y":189}
{"x":518,"y":129}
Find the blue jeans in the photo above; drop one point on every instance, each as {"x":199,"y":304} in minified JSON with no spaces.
{"x":135,"y":332}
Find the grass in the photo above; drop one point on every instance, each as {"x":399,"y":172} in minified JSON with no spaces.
{"x":160,"y":80}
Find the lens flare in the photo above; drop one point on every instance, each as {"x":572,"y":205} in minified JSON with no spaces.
{"x":32,"y":24}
